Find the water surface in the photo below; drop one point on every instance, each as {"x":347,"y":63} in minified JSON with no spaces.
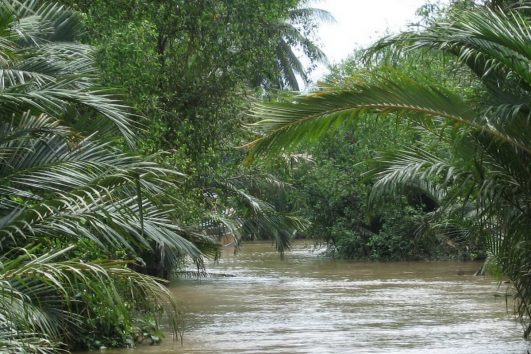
{"x":310,"y":304}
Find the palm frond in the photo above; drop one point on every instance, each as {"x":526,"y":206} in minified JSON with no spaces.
{"x":486,"y":40}
{"x":311,"y":12}
{"x":485,"y":170}
{"x":308,"y":117}
{"x":257,"y":217}
{"x":289,"y":65}
{"x":413,"y":168}
{"x":40,"y":22}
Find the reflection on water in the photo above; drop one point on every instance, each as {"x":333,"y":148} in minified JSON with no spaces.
{"x":311,"y":304}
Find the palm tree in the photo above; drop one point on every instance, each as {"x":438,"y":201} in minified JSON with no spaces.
{"x":44,"y":74}
{"x":248,"y":210}
{"x":49,"y":166}
{"x":67,"y":197}
{"x":489,"y":134}
{"x":290,"y":36}
{"x":58,"y":185}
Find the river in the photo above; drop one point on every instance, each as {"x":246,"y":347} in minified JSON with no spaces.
{"x":307,"y":303}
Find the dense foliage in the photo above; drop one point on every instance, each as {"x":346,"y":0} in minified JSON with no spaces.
{"x":191,"y":67}
{"x":334,"y":191}
{"x":74,"y":209}
{"x":482,"y":174}
{"x":90,"y":199}
{"x":103,"y":189}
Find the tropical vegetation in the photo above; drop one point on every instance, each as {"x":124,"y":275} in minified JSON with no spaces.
{"x":75,"y":210}
{"x":121,"y":164}
{"x":479,"y":173}
{"x":91,"y":206}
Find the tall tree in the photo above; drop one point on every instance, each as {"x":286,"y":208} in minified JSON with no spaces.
{"x":191,"y":68}
{"x":293,"y":34}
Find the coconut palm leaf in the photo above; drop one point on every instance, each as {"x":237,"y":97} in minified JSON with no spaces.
{"x":291,"y":37}
{"x":289,"y":65}
{"x":41,"y":296}
{"x":49,"y":77}
{"x":308,"y":117}
{"x":56,"y":100}
{"x":253,"y":215}
{"x":413,"y":167}
{"x":486,"y":40}
{"x":56,"y":186}
{"x":39,"y":22}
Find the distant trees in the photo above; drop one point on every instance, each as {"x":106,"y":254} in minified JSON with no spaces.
{"x":190,"y":66}
{"x":293,"y":35}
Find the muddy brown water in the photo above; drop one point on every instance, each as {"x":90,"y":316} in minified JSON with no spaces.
{"x":307,"y":303}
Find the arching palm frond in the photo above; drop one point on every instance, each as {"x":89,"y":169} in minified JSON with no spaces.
{"x":308,"y":117}
{"x":101,"y":217}
{"x":41,"y":74}
{"x":292,"y":38}
{"x":410,"y":167}
{"x":54,"y":186}
{"x":289,"y":65}
{"x":38,"y":22}
{"x":249,"y":211}
{"x":56,"y":100}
